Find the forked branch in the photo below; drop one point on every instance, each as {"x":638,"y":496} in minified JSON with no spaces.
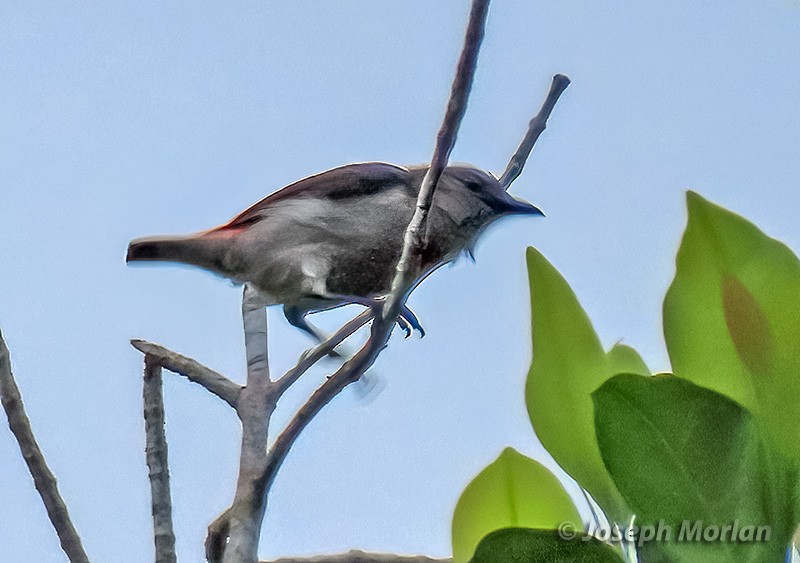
{"x":210,"y":380}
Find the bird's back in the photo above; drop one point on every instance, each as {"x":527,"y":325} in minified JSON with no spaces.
{"x":345,"y":182}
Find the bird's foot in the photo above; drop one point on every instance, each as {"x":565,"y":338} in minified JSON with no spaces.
{"x":406,"y":320}
{"x":409,"y":322}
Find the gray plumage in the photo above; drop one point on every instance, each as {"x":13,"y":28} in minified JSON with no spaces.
{"x":335,"y":238}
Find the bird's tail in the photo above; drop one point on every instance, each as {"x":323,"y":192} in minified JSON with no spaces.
{"x":203,"y":250}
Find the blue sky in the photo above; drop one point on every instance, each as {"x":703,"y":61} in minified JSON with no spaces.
{"x":125,"y":119}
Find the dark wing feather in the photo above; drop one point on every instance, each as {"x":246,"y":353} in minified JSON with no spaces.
{"x":338,"y":183}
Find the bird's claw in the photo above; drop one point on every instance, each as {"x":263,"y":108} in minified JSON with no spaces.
{"x":410,"y":322}
{"x":407,"y":320}
{"x":403,"y":323}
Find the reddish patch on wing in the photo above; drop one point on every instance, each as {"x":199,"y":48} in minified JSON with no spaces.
{"x":227,"y":230}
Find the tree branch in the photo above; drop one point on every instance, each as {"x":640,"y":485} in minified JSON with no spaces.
{"x":210,"y":380}
{"x":157,"y":461}
{"x":348,"y":373}
{"x":535,"y":128}
{"x":254,"y":407}
{"x":382,"y":325}
{"x":404,"y":278}
{"x":43,"y":478}
{"x":310,"y":357}
{"x":357,"y":556}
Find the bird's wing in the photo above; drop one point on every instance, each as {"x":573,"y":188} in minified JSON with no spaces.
{"x":351,"y":180}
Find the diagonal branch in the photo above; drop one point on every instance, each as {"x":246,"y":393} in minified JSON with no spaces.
{"x":382,"y":325}
{"x":535,"y":128}
{"x":213,"y":382}
{"x":348,"y":373}
{"x":43,"y":478}
{"x":403,"y":280}
{"x":157,"y":461}
{"x":310,"y":357}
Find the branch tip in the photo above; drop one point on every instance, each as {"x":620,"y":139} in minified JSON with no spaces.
{"x":535,"y":128}
{"x":212,"y":381}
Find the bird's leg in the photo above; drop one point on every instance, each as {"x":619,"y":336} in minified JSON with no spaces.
{"x":297,"y":317}
{"x":407,"y":320}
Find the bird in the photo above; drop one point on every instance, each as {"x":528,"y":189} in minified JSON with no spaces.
{"x":335,"y":238}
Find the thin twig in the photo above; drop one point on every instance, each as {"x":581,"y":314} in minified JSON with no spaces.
{"x":310,"y":357}
{"x":43,"y":478}
{"x":445,"y":140}
{"x":157,"y":461}
{"x":348,"y":373}
{"x":358,"y":556}
{"x":210,"y":380}
{"x":535,"y":128}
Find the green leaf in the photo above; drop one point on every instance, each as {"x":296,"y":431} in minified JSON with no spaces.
{"x":513,"y":491}
{"x":681,"y":453}
{"x":731,"y":318}
{"x":522,"y":545}
{"x":568,"y":364}
{"x":624,"y":359}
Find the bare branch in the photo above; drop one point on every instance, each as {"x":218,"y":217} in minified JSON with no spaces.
{"x":43,"y":478}
{"x":403,"y":280}
{"x":535,"y":128}
{"x":310,"y":357}
{"x":349,"y":372}
{"x":357,"y":556}
{"x":258,"y":407}
{"x":212,"y":381}
{"x":255,"y":406}
{"x":254,"y":319}
{"x":157,"y":461}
